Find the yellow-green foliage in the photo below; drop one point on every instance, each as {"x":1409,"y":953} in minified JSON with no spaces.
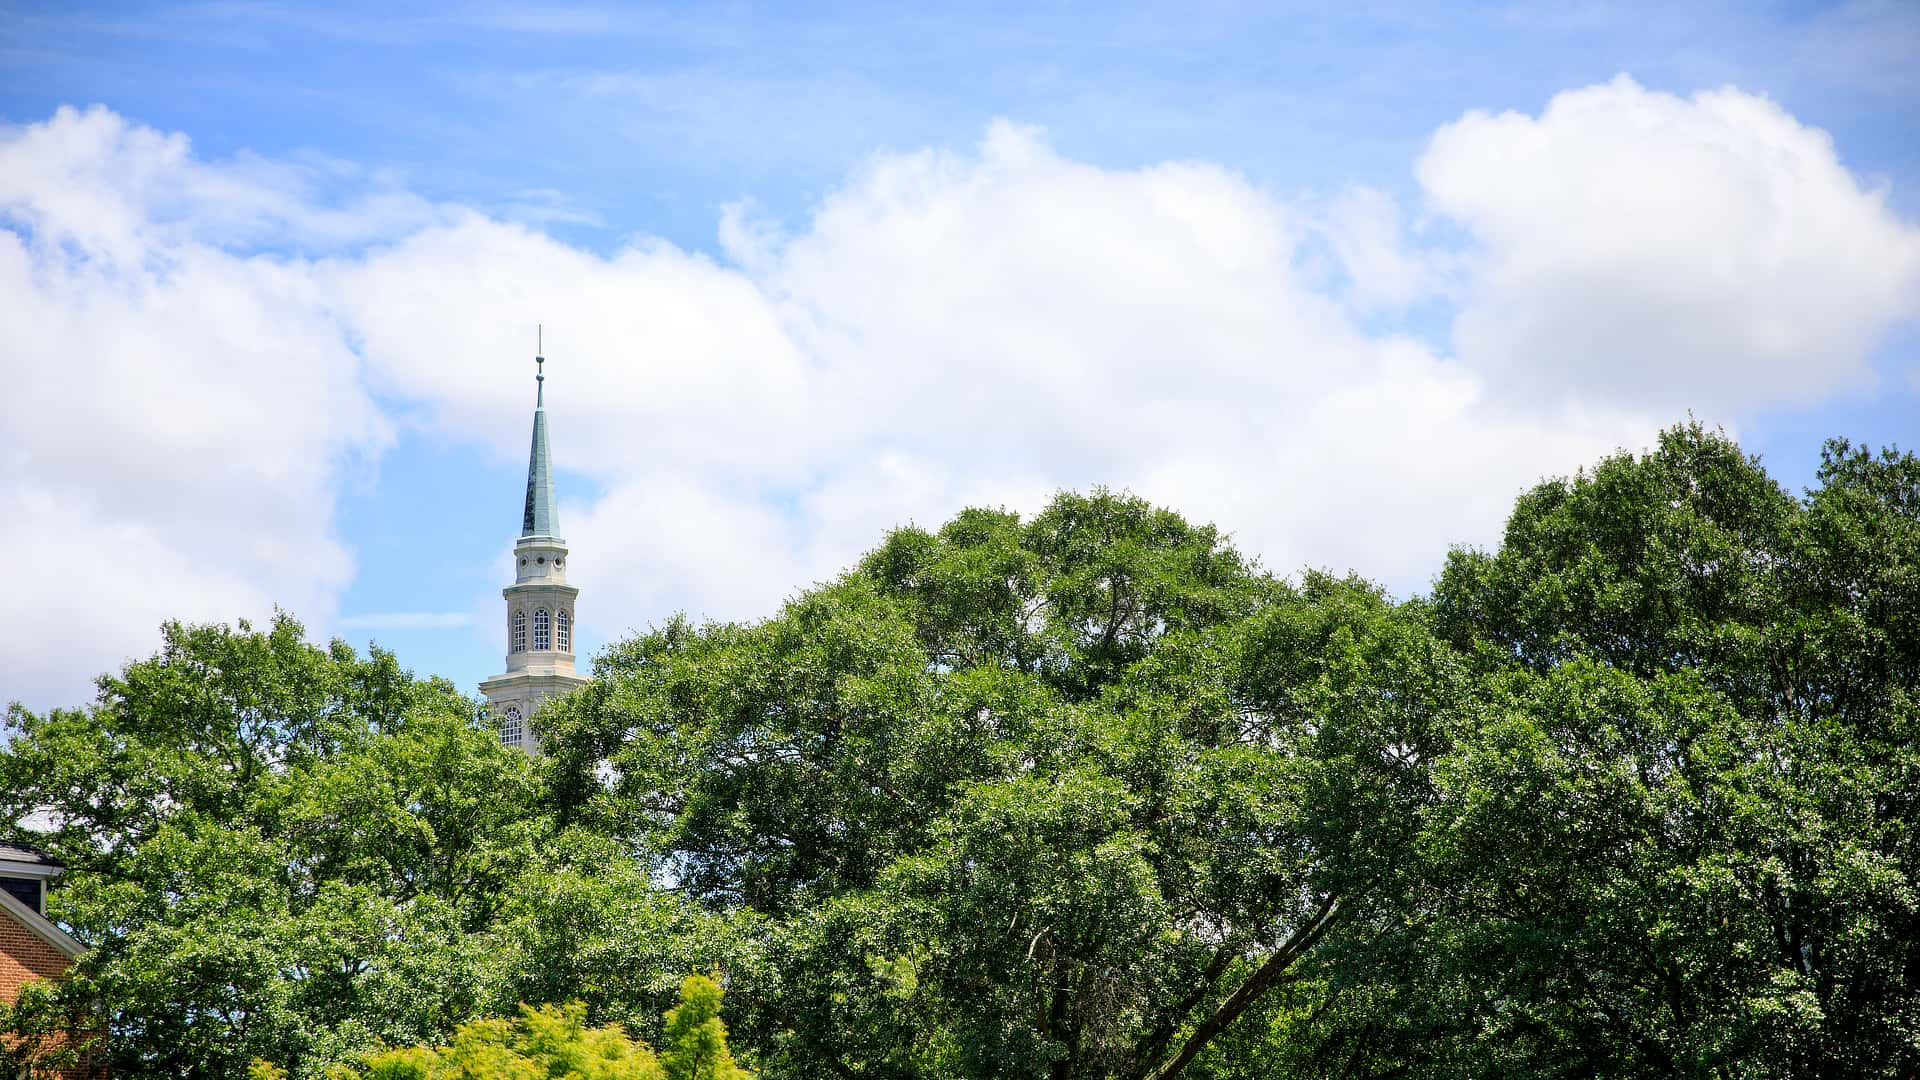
{"x":553,"y":1041}
{"x":696,"y":1039}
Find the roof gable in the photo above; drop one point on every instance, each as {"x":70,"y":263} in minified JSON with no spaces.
{"x":38,"y":925}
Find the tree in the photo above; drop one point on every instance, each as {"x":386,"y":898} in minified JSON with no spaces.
{"x":1082,"y":795}
{"x":696,"y":1038}
{"x":1061,"y":797}
{"x":275,"y":851}
{"x":554,"y":1041}
{"x":45,"y":1034}
{"x":1684,"y":844}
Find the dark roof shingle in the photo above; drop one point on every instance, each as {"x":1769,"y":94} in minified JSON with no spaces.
{"x":26,"y":853}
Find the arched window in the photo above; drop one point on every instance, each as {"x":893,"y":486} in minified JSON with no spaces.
{"x":510,"y":726}
{"x":542,"y":630}
{"x":563,"y":627}
{"x":519,"y":642}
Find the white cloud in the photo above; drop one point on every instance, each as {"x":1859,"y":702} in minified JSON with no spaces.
{"x":946,"y":329}
{"x":89,"y":588}
{"x":1706,"y":252}
{"x":177,"y":416}
{"x":123,"y":194}
{"x":1364,"y":229}
{"x":660,"y":359}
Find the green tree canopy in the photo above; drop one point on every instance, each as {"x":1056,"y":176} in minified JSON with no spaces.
{"x":1684,"y":843}
{"x":1061,"y":797}
{"x":1082,"y":795}
{"x":274,"y":851}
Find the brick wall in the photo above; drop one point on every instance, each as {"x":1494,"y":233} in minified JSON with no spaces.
{"x":24,"y":957}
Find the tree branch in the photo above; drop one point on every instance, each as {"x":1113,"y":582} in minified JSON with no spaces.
{"x":1157,"y":1041}
{"x":1252,"y":989}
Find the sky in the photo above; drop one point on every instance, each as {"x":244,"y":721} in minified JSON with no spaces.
{"x":1343,"y":280}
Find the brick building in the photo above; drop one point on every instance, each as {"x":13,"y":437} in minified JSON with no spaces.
{"x":31,"y":947}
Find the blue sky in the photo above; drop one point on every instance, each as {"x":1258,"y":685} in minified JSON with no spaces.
{"x":814,"y":271}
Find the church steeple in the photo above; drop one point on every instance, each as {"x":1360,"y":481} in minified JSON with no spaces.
{"x":540,"y":603}
{"x":539,"y":518}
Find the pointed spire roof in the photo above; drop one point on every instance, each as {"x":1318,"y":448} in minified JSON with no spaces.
{"x":539,"y":520}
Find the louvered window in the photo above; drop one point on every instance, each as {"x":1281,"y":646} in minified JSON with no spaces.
{"x":542,"y":630}
{"x":563,"y":627}
{"x":519,"y":643}
{"x":510,"y":726}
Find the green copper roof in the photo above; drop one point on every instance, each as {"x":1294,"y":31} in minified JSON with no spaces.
{"x":540,"y":519}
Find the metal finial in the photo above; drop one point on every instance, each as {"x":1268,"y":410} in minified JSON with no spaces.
{"x":539,"y":367}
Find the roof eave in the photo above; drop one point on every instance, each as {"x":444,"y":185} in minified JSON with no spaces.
{"x":16,"y":868}
{"x":41,"y":927}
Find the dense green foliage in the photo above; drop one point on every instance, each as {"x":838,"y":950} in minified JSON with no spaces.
{"x":1688,"y":835}
{"x":274,"y":851}
{"x":1015,"y":798}
{"x":1085,"y":795}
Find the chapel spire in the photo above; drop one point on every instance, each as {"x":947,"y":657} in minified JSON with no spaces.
{"x":540,"y":603}
{"x":538,"y":518}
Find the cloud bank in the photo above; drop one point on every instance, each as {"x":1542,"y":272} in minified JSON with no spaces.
{"x":202,"y":353}
{"x":1666,"y":252}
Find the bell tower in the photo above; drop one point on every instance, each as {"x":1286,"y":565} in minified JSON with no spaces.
{"x":540,"y":603}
